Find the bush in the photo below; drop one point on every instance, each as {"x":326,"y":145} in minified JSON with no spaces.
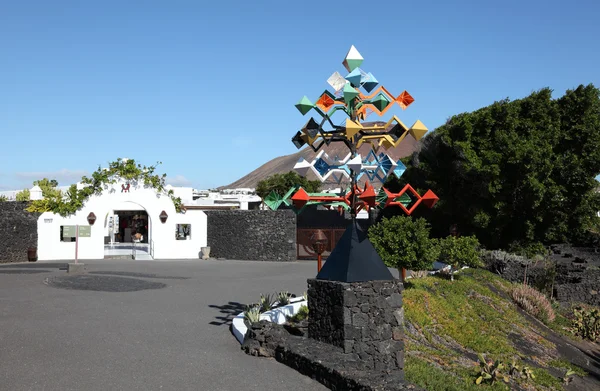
{"x":534,"y":303}
{"x":23,"y":195}
{"x":404,"y":243}
{"x":301,"y":315}
{"x":3,"y":198}
{"x":461,"y":251}
{"x":586,"y":323}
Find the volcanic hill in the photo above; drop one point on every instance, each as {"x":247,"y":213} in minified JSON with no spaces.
{"x":286,"y":163}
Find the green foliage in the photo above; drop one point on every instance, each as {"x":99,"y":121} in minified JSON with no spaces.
{"x":490,"y":371}
{"x":281,"y":183}
{"x":3,"y":198}
{"x":432,"y":378}
{"x":301,"y":315}
{"x":460,"y":251}
{"x":23,"y":196}
{"x":521,"y":170}
{"x":564,"y":364}
{"x":48,"y":187}
{"x":266,"y":302}
{"x":586,"y":323}
{"x":251,"y":315}
{"x":74,"y":198}
{"x":466,"y":311}
{"x":283,"y":298}
{"x":403,"y":242}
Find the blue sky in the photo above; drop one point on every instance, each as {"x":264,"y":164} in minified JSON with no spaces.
{"x":209,"y":88}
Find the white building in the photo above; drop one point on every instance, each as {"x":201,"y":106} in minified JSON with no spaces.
{"x":130,"y":222}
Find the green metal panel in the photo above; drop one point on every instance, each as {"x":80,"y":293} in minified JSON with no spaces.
{"x":85,"y":231}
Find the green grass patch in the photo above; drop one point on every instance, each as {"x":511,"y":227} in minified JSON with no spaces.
{"x":564,"y":364}
{"x":424,"y":374}
{"x":466,"y":310}
{"x":545,"y":379}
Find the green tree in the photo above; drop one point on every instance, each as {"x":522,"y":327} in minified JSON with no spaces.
{"x":48,"y":187}
{"x":460,"y":251}
{"x":281,"y":183}
{"x":23,"y":195}
{"x":515,"y":171}
{"x":404,"y":243}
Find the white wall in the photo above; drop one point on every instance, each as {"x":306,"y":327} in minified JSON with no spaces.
{"x":139,"y":198}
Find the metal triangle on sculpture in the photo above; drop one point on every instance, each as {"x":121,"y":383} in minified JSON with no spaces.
{"x":354,"y":259}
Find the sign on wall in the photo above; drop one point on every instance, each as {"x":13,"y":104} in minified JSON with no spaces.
{"x":85,"y":231}
{"x":70,"y":231}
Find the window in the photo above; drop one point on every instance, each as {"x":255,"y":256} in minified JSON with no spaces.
{"x":183,"y":232}
{"x":67,"y":233}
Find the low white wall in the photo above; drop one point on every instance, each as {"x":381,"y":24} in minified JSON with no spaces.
{"x":277,"y":315}
{"x":138,"y":198}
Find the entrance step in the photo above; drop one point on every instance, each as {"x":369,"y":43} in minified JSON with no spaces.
{"x":117,"y":256}
{"x":143,"y":257}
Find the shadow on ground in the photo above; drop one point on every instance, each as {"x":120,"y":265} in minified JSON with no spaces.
{"x":23,"y":271}
{"x":102,"y":283}
{"x":229,"y":311}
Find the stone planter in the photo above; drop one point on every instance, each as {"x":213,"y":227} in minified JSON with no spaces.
{"x":205,"y":252}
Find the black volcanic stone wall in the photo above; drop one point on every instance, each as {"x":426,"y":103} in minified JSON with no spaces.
{"x":18,"y":231}
{"x":365,"y":319}
{"x":257,"y":235}
{"x":577,"y":272}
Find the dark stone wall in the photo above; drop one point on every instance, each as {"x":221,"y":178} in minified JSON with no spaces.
{"x":257,"y":235}
{"x":571,"y":273}
{"x":365,"y":319}
{"x":18,"y":231}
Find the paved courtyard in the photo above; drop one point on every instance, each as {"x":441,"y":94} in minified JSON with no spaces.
{"x":174,"y":336}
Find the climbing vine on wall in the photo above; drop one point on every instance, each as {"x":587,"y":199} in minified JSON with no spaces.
{"x":74,"y":198}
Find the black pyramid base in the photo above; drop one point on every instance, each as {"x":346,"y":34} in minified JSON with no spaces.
{"x":354,"y":259}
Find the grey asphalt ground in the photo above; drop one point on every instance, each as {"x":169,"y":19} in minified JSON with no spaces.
{"x":174,"y":338}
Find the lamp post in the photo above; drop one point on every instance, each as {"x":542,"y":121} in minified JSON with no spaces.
{"x":319,"y":242}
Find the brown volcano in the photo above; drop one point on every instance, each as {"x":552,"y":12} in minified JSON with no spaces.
{"x":286,"y":163}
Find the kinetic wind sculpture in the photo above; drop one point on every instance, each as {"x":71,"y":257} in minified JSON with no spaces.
{"x":354,"y":258}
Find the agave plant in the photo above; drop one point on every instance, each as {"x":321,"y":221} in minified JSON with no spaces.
{"x":266,"y":302}
{"x":251,"y":315}
{"x":283,"y":298}
{"x":490,"y":371}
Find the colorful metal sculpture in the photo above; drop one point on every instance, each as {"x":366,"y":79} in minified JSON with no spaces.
{"x":349,"y":99}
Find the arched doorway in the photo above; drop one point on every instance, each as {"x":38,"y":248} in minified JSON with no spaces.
{"x":128,"y":233}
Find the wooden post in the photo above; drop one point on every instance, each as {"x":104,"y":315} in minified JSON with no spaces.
{"x":76,"y":242}
{"x":319,"y":264}
{"x":403,"y":274}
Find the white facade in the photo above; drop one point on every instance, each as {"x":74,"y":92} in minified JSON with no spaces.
{"x":162,"y":242}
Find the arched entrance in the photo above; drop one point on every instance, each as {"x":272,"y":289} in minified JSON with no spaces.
{"x":128,"y":233}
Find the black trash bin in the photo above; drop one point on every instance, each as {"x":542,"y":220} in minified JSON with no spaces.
{"x":32,"y":254}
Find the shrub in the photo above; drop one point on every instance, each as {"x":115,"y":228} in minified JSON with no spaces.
{"x":404,"y":243}
{"x":301,"y":315}
{"x":23,"y":195}
{"x":462,"y":251}
{"x":586,"y":323}
{"x":533,"y":302}
{"x":3,"y":198}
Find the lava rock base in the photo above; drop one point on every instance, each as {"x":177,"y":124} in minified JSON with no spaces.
{"x":364,"y":319}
